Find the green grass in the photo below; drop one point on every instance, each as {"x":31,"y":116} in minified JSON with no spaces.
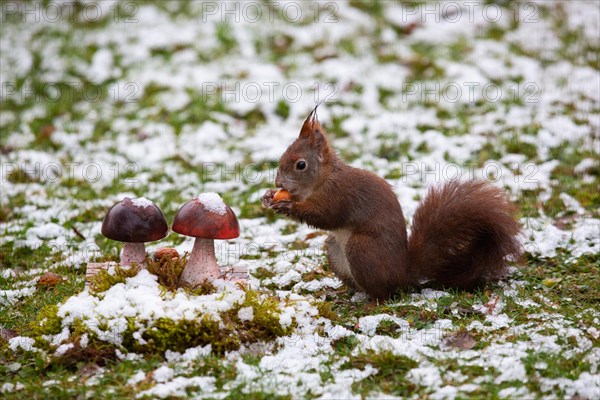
{"x":547,"y":300}
{"x":390,"y":373}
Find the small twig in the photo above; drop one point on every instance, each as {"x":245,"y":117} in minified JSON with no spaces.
{"x":76,"y":231}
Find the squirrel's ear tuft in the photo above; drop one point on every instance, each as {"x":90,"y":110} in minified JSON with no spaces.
{"x":310,"y":126}
{"x":311,"y":130}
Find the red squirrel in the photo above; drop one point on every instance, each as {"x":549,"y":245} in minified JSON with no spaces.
{"x":462,"y":232}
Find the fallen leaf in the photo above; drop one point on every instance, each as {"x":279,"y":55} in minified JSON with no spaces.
{"x":89,"y":370}
{"x":7,"y":334}
{"x":49,"y":279}
{"x":47,"y":131}
{"x":566,"y":222}
{"x":313,"y":235}
{"x":551,"y":282}
{"x":460,"y":340}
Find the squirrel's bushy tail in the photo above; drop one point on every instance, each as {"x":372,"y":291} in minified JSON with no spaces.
{"x":462,"y":233}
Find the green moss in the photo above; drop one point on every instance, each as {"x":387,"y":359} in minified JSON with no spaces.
{"x":225,"y":335}
{"x":167,"y":270}
{"x":166,"y":334}
{"x":104,"y":280}
{"x":47,"y":322}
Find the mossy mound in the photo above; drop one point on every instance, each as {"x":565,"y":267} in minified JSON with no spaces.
{"x":136,"y":314}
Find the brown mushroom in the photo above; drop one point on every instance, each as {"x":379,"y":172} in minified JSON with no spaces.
{"x":134,"y":222}
{"x":206,"y":218}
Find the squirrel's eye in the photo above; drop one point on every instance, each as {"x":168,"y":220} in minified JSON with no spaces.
{"x":300,"y":165}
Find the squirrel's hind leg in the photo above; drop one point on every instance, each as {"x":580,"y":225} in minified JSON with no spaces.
{"x":375,"y":265}
{"x":336,"y":254}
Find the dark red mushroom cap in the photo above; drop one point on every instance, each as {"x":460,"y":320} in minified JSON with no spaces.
{"x":207,"y":217}
{"x":135,"y":221}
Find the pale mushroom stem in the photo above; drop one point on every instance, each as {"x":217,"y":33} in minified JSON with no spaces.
{"x":133,"y":253}
{"x":202,"y":264}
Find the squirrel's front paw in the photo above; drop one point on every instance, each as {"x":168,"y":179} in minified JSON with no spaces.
{"x":267,"y":198}
{"x":282,"y":207}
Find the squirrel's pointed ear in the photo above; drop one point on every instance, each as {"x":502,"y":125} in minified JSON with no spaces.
{"x":311,"y":130}
{"x":310,"y":125}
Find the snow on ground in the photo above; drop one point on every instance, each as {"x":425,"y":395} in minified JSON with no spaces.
{"x":191,"y":104}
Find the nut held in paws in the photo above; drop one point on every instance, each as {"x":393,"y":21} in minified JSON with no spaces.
{"x":282,"y":195}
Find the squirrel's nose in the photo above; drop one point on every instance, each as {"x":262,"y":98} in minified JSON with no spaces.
{"x":278,"y":180}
